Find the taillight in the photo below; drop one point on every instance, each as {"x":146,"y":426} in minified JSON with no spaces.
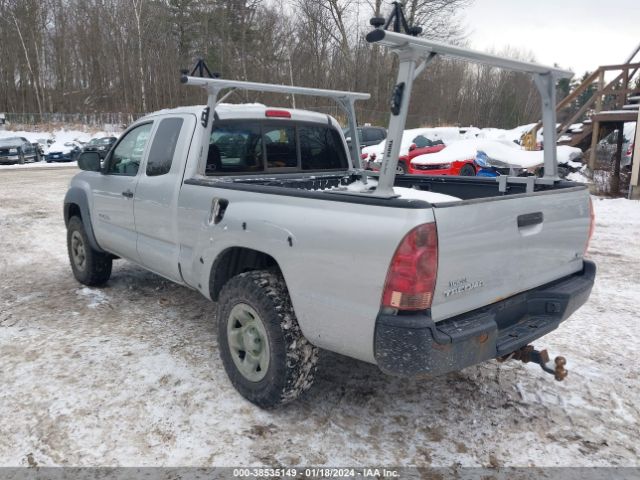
{"x":630,"y":150}
{"x":592,"y":225}
{"x":411,"y":278}
{"x":363,"y":156}
{"x":277,"y":113}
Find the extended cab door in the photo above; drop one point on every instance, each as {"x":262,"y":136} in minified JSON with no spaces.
{"x":113,"y":194}
{"x":156,"y":195}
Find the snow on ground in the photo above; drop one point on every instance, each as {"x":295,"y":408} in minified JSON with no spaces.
{"x":39,"y":165}
{"x":129,"y":374}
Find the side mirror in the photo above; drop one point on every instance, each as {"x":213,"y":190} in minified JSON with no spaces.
{"x":89,"y":161}
{"x":412,"y":147}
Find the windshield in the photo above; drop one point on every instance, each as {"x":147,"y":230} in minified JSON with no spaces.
{"x":6,"y":142}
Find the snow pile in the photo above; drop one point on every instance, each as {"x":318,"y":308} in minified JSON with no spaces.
{"x":512,"y":135}
{"x":501,"y":150}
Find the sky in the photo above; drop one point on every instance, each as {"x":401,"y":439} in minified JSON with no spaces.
{"x":579,"y":35}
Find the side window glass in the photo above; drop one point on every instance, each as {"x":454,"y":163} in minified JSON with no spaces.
{"x":321,"y":149}
{"x":235,"y":148}
{"x":280,"y":145}
{"x":381,"y":134}
{"x":164,"y":146}
{"x":127,"y":155}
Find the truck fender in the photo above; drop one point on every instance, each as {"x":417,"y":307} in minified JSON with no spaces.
{"x":76,"y":201}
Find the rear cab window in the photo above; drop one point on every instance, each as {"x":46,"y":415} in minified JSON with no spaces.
{"x":275,"y":147}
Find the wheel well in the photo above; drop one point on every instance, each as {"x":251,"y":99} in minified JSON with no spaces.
{"x":71,"y":210}
{"x":234,"y":261}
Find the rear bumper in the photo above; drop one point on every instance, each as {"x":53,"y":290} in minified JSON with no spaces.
{"x":410,"y":345}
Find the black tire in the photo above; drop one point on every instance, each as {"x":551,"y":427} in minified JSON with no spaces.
{"x":402,"y":168}
{"x":468,"y":171}
{"x":95,"y":269}
{"x":292,"y":359}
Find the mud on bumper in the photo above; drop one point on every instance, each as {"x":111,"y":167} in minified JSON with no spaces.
{"x":414,"y":344}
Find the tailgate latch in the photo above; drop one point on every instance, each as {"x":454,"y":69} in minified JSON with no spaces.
{"x":528,"y":354}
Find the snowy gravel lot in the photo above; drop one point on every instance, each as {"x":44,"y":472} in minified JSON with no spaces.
{"x":130,"y":375}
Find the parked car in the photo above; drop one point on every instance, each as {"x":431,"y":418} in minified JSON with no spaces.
{"x":17,"y":150}
{"x":421,"y":146}
{"x":63,"y":151}
{"x":367,"y":135}
{"x":416,"y":142}
{"x":100,"y":145}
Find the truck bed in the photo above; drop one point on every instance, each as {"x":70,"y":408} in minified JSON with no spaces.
{"x":492,"y":244}
{"x":451,"y":188}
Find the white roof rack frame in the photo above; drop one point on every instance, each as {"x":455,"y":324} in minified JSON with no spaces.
{"x":346,"y":100}
{"x":410,"y":50}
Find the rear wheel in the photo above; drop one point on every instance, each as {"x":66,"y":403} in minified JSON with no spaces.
{"x":89,"y":266}
{"x":467,"y":171}
{"x":264,"y":353}
{"x":401,"y":168}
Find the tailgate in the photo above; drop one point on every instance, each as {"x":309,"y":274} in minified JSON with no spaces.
{"x":491,"y":249}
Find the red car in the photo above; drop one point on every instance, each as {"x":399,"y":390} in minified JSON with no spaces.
{"x":422,"y":146}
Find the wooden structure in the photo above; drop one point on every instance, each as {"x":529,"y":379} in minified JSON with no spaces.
{"x":618,"y":93}
{"x":634,"y":184}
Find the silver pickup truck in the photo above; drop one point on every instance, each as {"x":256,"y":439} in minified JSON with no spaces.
{"x":266,"y":212}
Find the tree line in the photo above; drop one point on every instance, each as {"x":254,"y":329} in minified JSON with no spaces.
{"x":92,"y":56}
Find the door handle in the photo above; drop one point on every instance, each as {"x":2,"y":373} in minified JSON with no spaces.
{"x":128,"y":194}
{"x":218,"y":208}
{"x":530,"y":219}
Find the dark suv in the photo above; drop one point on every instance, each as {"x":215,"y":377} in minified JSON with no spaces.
{"x":17,"y":150}
{"x":367,"y":135}
{"x":100,"y":145}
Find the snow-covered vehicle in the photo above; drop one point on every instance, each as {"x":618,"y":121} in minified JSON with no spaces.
{"x":502,"y":157}
{"x":266,"y":212}
{"x":416,"y":142}
{"x":63,"y":151}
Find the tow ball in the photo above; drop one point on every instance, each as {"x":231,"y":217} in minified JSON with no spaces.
{"x":530,"y":354}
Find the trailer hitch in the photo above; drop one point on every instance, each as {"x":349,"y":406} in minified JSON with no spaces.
{"x":528,"y":354}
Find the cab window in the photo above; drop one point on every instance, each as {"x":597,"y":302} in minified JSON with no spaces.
{"x":321,"y":148}
{"x":128,"y":154}
{"x":235,"y":149}
{"x":280,"y":146}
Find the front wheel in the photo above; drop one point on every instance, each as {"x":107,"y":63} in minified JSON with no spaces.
{"x":468,"y":171}
{"x":89,"y":266}
{"x":265,"y":354}
{"x":401,"y":169}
